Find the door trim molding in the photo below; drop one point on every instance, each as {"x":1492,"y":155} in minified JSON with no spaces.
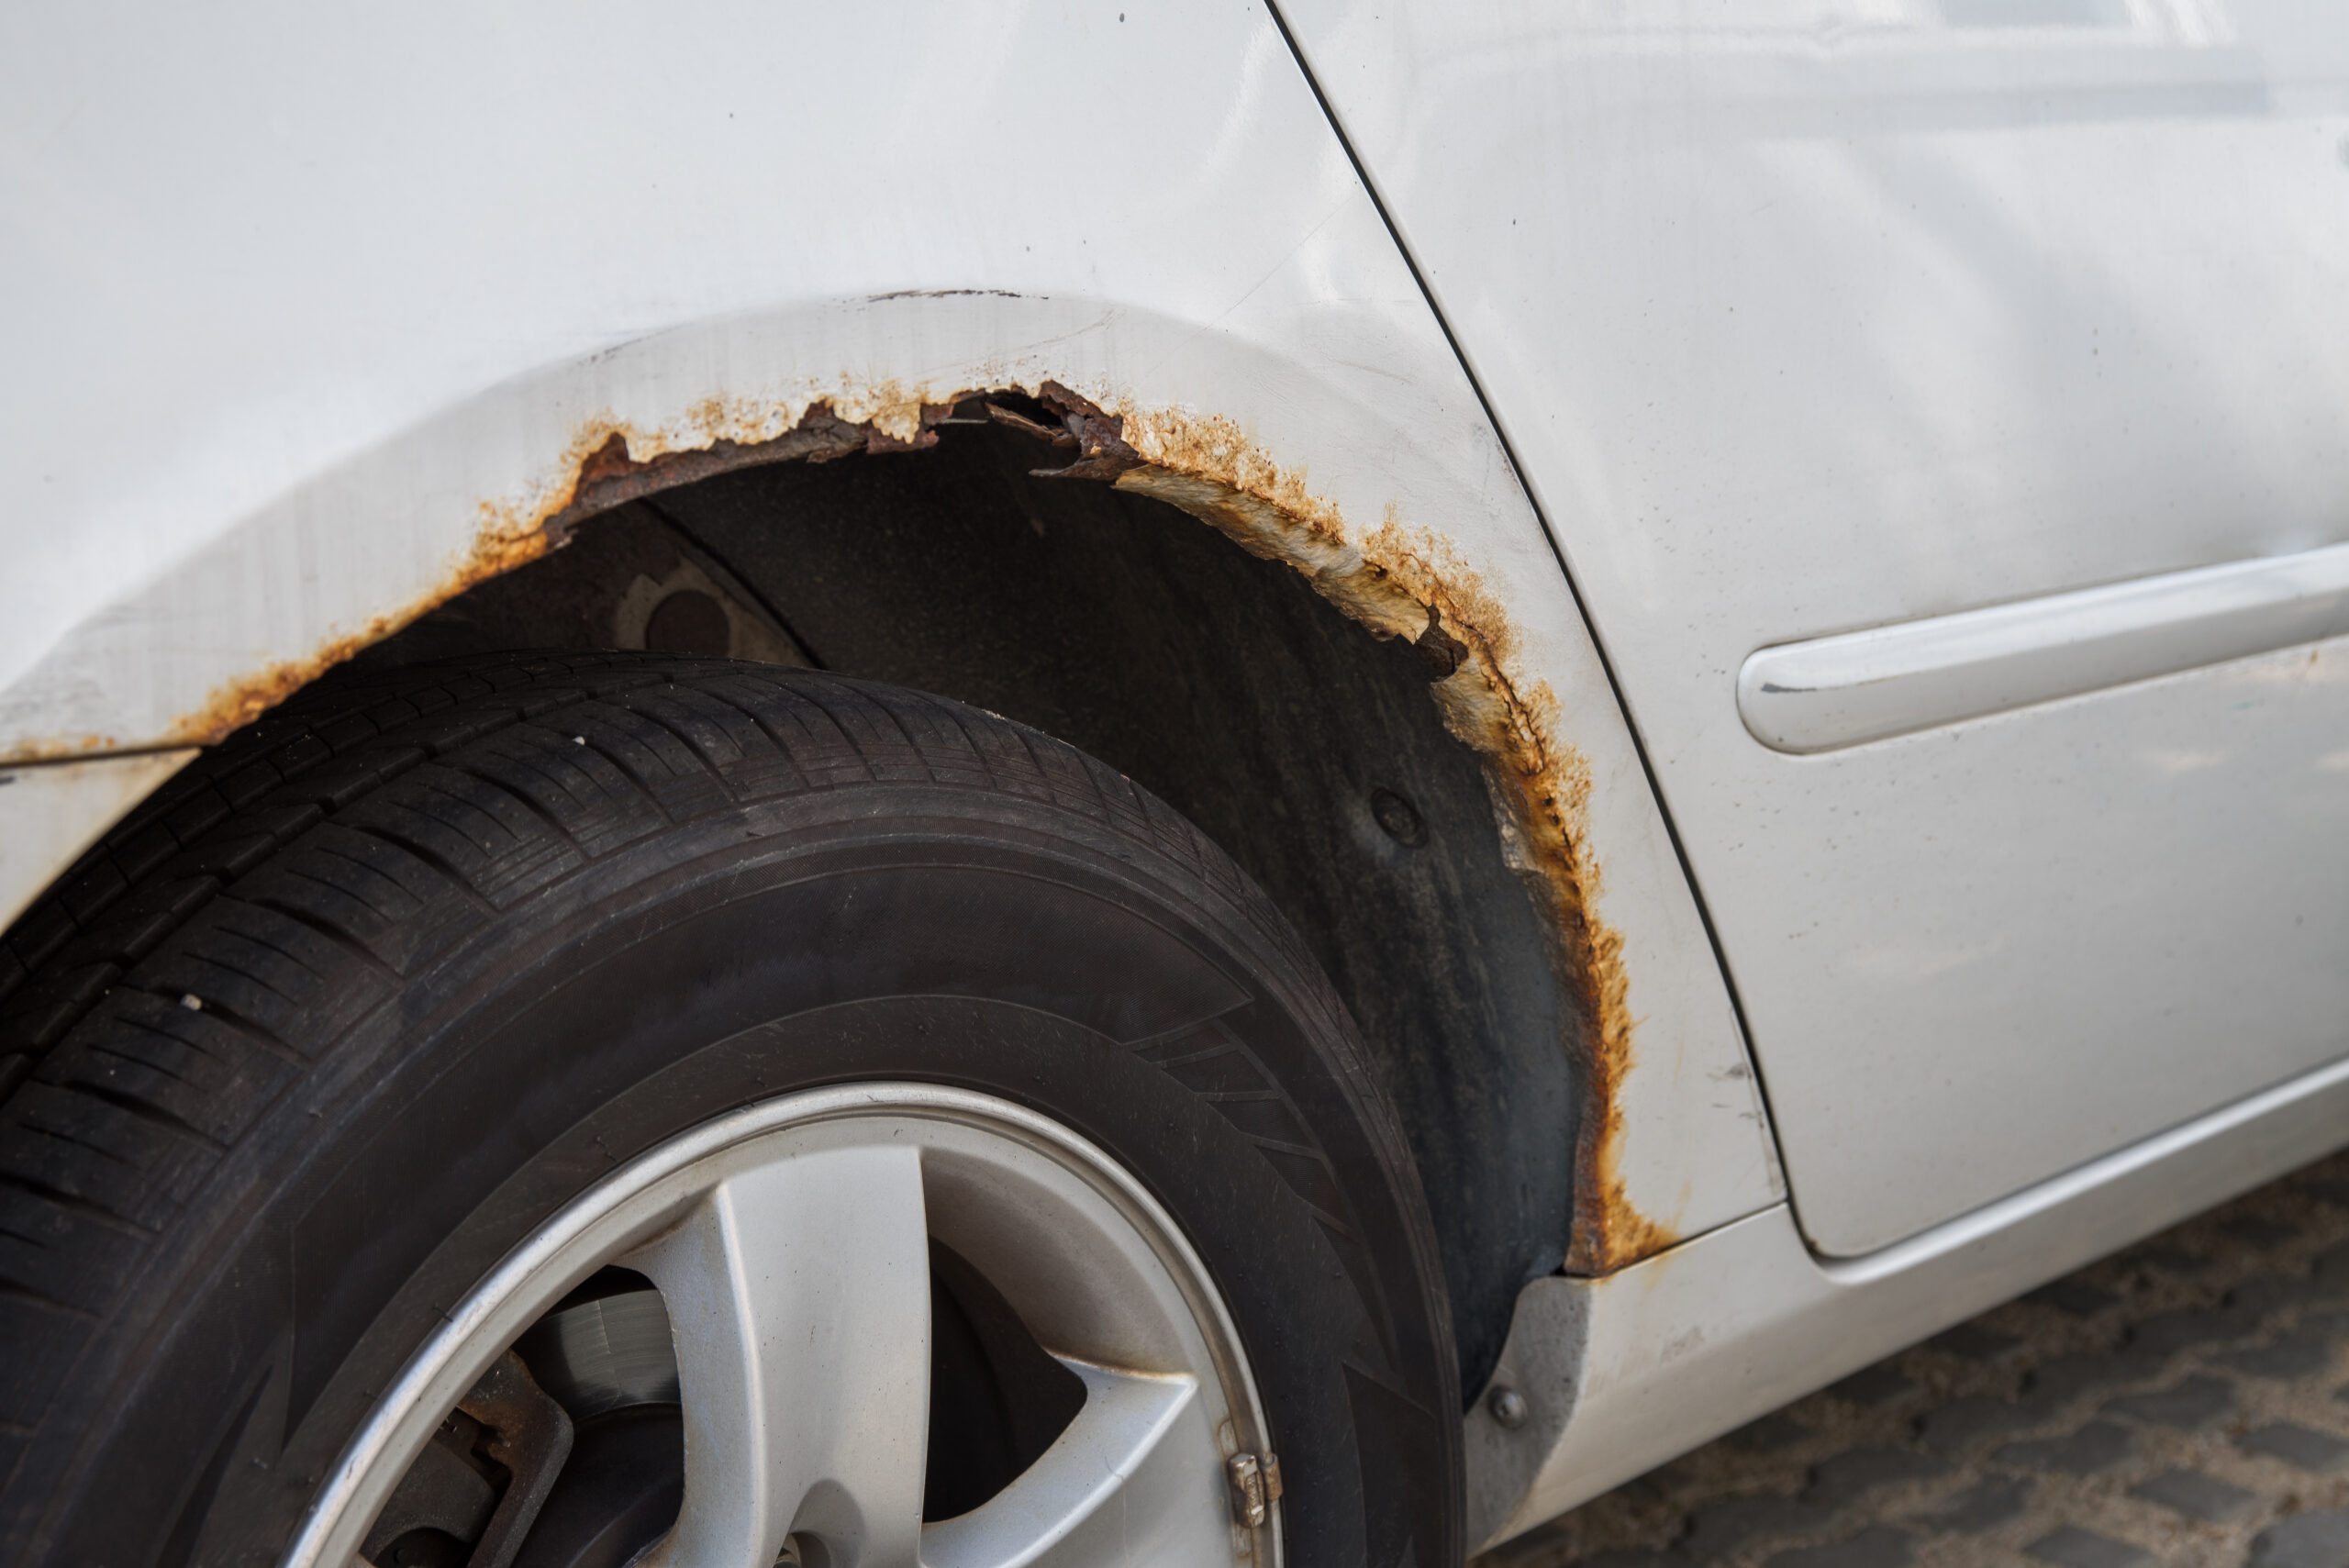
{"x":1846,"y":690}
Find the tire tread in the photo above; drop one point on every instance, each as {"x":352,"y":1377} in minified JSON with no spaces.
{"x":201,"y":962}
{"x":287,"y":882}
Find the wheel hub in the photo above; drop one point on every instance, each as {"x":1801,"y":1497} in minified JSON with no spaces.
{"x":890,"y":1324}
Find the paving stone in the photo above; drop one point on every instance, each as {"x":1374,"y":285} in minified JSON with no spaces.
{"x":2195,"y":1495}
{"x":2305,"y":1540}
{"x":2294,"y":1355}
{"x":1666,"y":1476}
{"x":2168,"y":1333}
{"x":2099,"y":1445}
{"x":2094,"y":1372}
{"x":2075,"y":1548}
{"x":1873,"y":1385}
{"x":2329,"y":1278}
{"x":1720,"y":1527}
{"x":1775,"y":1430}
{"x":1974,"y":1342}
{"x":2294,"y":1444}
{"x":1989,"y":1502}
{"x":2264,"y":1298}
{"x":1878,"y":1546}
{"x":2114,"y":1441}
{"x":1961,"y":1424}
{"x":1842,"y":1479}
{"x":2076,"y":1297}
{"x":2196,"y":1402}
{"x":2165,"y":1260}
{"x":1652,"y":1487}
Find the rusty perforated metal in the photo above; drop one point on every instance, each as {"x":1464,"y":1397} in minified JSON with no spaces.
{"x":1411,"y":584}
{"x":1398,"y":580}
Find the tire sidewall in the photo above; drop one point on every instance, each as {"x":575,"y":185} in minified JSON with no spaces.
{"x":894,"y":931}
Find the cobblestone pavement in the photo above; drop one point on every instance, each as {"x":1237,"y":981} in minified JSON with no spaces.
{"x":2184,"y":1402}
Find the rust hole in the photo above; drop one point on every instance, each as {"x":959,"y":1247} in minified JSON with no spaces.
{"x":1393,"y":579}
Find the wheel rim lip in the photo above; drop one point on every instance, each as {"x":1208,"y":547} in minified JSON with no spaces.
{"x":649,"y":1195}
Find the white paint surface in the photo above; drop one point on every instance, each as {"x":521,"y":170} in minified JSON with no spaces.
{"x":1894,"y":680}
{"x":50,"y":812}
{"x":1807,"y":317}
{"x":270,"y":366}
{"x":1701,"y":1339}
{"x":1800,"y":327}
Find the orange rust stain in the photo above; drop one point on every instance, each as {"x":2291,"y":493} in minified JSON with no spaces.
{"x":1405,"y":582}
{"x":60,"y":749}
{"x":1395,"y":580}
{"x":602,"y":473}
{"x":236,"y":704}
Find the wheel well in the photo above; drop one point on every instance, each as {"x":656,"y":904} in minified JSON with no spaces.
{"x":1306,"y":745}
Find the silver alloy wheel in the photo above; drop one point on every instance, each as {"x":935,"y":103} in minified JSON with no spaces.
{"x":790,"y":1243}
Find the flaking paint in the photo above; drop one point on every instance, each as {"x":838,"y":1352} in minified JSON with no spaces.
{"x":1397,"y":579}
{"x":230,"y":707}
{"x":606,"y":464}
{"x":1404,"y":581}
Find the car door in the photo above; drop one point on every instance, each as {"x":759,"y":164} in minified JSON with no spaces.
{"x":1928,"y":321}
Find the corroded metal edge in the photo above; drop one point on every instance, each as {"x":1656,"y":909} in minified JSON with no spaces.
{"x":1396,"y":579}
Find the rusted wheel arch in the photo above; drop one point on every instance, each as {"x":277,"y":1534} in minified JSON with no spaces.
{"x":1394,"y":583}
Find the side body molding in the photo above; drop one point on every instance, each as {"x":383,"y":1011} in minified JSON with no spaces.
{"x":1621,"y":1373}
{"x":365,"y":371}
{"x":1866,"y":686}
{"x":1796,"y":330}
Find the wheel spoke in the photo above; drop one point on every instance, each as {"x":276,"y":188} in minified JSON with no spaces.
{"x":799,"y":1297}
{"x":1133,"y":1480}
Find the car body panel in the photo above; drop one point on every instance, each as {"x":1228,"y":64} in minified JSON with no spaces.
{"x":1624,"y":1371}
{"x":1807,"y":317}
{"x":1867,"y":685}
{"x":344,"y":338}
{"x":318,"y":319}
{"x":50,"y":812}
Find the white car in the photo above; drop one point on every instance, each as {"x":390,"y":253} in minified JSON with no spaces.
{"x":991,"y":784}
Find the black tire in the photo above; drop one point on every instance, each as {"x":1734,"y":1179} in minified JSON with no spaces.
{"x":367,"y":993}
